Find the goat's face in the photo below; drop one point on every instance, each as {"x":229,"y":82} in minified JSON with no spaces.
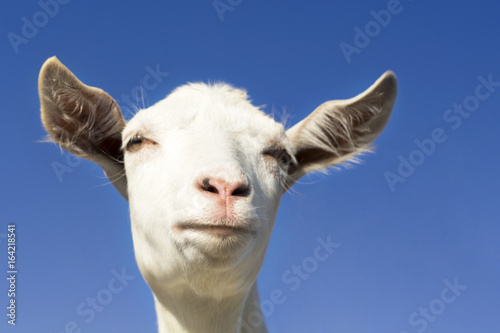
{"x":206,"y":171}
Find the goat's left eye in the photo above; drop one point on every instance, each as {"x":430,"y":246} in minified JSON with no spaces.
{"x":284,"y":158}
{"x":281,"y":156}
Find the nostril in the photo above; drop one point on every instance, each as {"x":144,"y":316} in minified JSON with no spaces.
{"x":206,"y":186}
{"x":241,"y":191}
{"x":224,"y":189}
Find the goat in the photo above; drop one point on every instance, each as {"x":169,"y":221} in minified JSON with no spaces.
{"x":204,"y":172}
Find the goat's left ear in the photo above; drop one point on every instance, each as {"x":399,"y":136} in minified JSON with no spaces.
{"x":338,"y":130}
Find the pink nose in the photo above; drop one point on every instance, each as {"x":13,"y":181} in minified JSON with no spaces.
{"x":224,"y":189}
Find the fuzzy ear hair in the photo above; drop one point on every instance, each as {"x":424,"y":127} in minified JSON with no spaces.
{"x":338,"y":130}
{"x":84,"y":120}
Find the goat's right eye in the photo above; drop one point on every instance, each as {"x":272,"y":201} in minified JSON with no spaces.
{"x":134,"y":144}
{"x":137,"y":142}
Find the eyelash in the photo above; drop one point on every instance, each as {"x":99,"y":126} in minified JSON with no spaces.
{"x":136,"y":143}
{"x":283,"y":158}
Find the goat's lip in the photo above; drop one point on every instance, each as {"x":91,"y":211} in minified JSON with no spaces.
{"x":215,"y":229}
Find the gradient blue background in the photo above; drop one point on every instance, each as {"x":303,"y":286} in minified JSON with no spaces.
{"x":397,"y":247}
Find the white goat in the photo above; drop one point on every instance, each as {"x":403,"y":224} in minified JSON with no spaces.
{"x":204,"y":171}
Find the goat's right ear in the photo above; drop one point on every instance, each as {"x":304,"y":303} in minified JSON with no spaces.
{"x":84,"y":120}
{"x":338,"y":130}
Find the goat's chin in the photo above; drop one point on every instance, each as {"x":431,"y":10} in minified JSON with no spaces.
{"x":214,"y":244}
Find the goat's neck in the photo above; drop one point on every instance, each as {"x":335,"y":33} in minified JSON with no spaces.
{"x":185,"y":312}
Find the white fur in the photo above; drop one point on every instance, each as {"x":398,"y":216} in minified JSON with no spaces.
{"x":204,"y":182}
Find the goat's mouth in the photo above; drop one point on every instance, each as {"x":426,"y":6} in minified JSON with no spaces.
{"x":216,"y":229}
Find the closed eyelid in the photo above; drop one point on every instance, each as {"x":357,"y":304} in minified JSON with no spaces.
{"x":132,"y":135}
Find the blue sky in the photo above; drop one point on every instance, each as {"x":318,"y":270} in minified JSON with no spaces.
{"x":417,"y":222}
